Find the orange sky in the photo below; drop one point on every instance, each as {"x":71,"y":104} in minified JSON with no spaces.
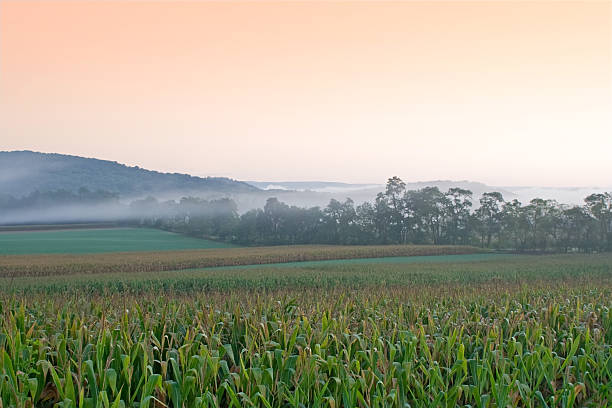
{"x":507,"y":93}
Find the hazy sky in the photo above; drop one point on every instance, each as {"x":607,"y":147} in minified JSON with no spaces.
{"x":504,"y":92}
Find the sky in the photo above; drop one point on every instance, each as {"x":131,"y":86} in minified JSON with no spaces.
{"x":502,"y":92}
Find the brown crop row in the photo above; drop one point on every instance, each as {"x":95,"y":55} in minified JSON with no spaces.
{"x":67,"y":264}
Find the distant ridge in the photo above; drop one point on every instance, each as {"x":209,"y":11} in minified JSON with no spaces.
{"x":366,"y":192}
{"x":23,"y":172}
{"x":309,"y":185}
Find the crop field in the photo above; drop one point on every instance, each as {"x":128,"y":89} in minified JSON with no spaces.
{"x":62,"y":264}
{"x":476,"y":331}
{"x":98,"y":240}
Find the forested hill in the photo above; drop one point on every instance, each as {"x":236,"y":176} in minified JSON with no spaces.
{"x":22,"y":172}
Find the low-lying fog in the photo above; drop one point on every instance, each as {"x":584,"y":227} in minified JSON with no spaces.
{"x":302,"y":194}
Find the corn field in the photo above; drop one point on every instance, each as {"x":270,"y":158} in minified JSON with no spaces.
{"x":488,"y":342}
{"x":155,"y":261}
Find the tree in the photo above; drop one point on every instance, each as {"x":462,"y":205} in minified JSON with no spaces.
{"x":599,"y":207}
{"x":488,"y":215}
{"x":514,"y":226}
{"x":541,"y":215}
{"x":392,"y":204}
{"x":394,"y":191}
{"x":427,"y":207}
{"x":458,"y":205}
{"x":578,"y":230}
{"x":366,"y":222}
{"x":340,"y":220}
{"x":274,"y":212}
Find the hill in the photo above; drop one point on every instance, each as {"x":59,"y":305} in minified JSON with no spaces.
{"x":22,"y":172}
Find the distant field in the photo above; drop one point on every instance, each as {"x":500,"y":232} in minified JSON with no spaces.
{"x":442,"y":271}
{"x":156,"y":261}
{"x":417,"y":271}
{"x":85,"y":241}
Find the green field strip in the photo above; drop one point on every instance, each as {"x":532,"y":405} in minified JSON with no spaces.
{"x":84,"y":241}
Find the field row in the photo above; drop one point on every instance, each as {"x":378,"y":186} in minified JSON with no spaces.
{"x":68,"y":264}
{"x":483,"y":346}
{"x":469,"y":271}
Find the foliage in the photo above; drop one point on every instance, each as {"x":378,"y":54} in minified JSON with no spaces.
{"x":429,"y":216}
{"x":400,"y":216}
{"x":28,"y":172}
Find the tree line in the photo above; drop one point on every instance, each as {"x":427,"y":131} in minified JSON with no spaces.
{"x":43,"y":200}
{"x":397,"y":216}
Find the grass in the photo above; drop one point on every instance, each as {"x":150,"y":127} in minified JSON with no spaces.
{"x":478,"y":331}
{"x":98,"y":240}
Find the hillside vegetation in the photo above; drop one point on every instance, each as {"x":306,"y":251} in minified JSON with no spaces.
{"x":24,"y":172}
